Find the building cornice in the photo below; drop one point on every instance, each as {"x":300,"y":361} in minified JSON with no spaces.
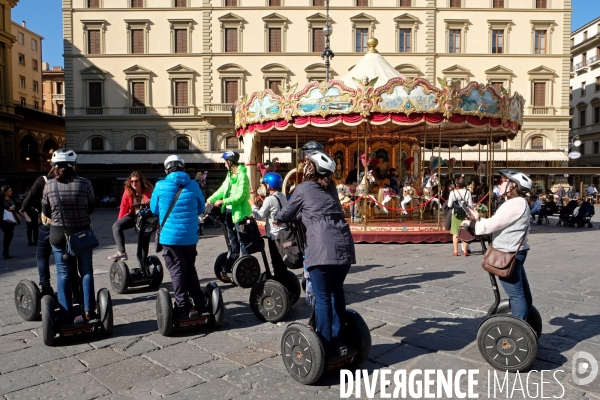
{"x":295,"y":8}
{"x":591,"y":42}
{"x":584,"y":27}
{"x":303,"y":54}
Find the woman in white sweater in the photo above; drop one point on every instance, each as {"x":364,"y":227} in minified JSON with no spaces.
{"x":458,"y":195}
{"x":509,"y":228}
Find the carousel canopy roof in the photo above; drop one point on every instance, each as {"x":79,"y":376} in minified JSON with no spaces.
{"x":382,"y":102}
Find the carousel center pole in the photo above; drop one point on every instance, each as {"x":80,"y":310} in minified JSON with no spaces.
{"x":490,"y":177}
{"x":367,"y":188}
{"x":439,"y":181}
{"x":506,"y":152}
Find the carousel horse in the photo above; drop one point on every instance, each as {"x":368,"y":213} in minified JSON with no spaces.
{"x":410,"y":193}
{"x":361,"y":191}
{"x":430,"y":190}
{"x":344,"y":194}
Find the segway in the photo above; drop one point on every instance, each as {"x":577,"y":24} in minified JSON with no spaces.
{"x":150,"y":270}
{"x":304,"y":355}
{"x":52,"y":328}
{"x":506,"y":342}
{"x":212,"y":318}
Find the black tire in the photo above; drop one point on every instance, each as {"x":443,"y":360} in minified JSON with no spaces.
{"x":105,"y":311}
{"x":269,"y":301}
{"x":303,"y":284}
{"x":219,"y":264}
{"x":534,"y":319}
{"x":119,"y":276}
{"x":156,"y":272}
{"x":507,"y":343}
{"x":358,"y":336}
{"x":27,"y":300}
{"x":246,"y":271}
{"x":164,"y":312}
{"x":589,"y":224}
{"x":47,"y":306}
{"x":302,"y":353}
{"x":215,"y":301}
{"x":292,"y":284}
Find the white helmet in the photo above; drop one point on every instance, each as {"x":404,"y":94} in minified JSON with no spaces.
{"x":174,"y":161}
{"x":324,"y":163}
{"x":523,"y":182}
{"x":64,"y":156}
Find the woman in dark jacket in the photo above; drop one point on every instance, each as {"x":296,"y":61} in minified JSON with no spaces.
{"x":8,"y":204}
{"x":329,"y":245}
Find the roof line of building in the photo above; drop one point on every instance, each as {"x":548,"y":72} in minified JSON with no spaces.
{"x":597,"y":19}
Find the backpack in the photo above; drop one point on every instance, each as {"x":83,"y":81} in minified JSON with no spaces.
{"x":250,"y":235}
{"x":290,"y":244}
{"x":457,"y":206}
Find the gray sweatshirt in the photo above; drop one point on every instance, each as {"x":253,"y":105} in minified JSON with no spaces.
{"x":268,"y":210}
{"x":508,"y":225}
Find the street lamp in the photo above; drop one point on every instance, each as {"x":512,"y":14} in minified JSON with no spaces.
{"x":327,"y":54}
{"x":575,"y":142}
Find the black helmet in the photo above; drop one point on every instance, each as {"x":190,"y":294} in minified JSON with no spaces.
{"x":313,"y":146}
{"x":231,"y":156}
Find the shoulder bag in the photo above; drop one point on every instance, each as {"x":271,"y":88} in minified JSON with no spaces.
{"x":45,"y":220}
{"x":81,"y":242}
{"x":290,"y":246}
{"x":159,"y":246}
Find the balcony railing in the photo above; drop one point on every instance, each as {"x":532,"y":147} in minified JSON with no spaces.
{"x":580,"y":65}
{"x":218,"y":107}
{"x":137,"y":110}
{"x":182,"y":110}
{"x":594,"y":60}
{"x":58,"y":97}
{"x":540,"y":110}
{"x":94,"y":111}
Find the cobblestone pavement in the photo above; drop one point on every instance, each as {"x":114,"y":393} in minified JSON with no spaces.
{"x":423,"y":307}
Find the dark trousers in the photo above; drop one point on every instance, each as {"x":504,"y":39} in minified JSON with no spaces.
{"x":277,"y":263}
{"x":180,"y":261}
{"x":517,"y":288}
{"x":42,"y":254}
{"x":32,"y":227}
{"x":9,"y":232}
{"x":122,"y":224}
{"x":234,"y":241}
{"x":330,"y":307}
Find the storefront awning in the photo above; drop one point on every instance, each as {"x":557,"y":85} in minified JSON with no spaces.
{"x":500,"y":155}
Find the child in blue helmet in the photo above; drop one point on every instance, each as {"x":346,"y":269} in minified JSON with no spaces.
{"x":274,"y":202}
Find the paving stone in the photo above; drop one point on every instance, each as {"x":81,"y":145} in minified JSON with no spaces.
{"x":22,"y":379}
{"x":118,"y":396}
{"x":165,"y":386}
{"x":64,"y":367}
{"x":28,"y":358}
{"x":224,"y":344}
{"x":272,"y":346}
{"x":163,"y":341}
{"x":128,"y":373}
{"x":23,"y":326}
{"x":13,"y":345}
{"x":71,"y":349}
{"x":98,"y":358}
{"x":80,"y":387}
{"x":135,"y":347}
{"x":255,"y":376}
{"x":214,"y":369}
{"x":249,"y":356}
{"x":401,"y":356}
{"x":179,"y":357}
{"x":216,"y":389}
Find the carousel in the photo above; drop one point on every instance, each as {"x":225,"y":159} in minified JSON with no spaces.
{"x":388,"y":135}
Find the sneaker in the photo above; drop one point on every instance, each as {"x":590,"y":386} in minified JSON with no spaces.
{"x":118,"y":256}
{"x":90,"y":315}
{"x":47,"y":291}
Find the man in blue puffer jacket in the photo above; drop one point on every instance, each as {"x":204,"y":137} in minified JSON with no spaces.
{"x":179,"y":234}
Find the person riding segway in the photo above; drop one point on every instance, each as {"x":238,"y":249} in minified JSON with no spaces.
{"x":178,"y":201}
{"x":340,"y":337}
{"x":507,"y":338}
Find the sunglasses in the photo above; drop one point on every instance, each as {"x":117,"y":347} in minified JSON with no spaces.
{"x":135,"y":181}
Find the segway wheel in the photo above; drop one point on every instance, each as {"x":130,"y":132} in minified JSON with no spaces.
{"x":507,"y":343}
{"x":589,"y":224}
{"x":119,"y":276}
{"x":215,"y":298}
{"x":27,"y":300}
{"x":219,"y":266}
{"x":164,"y":312}
{"x":105,"y":311}
{"x":246,"y":271}
{"x":292,"y":284}
{"x":302,"y":353}
{"x":303,"y":283}
{"x":156,"y":271}
{"x":358,"y":336}
{"x":269,"y":301}
{"x":534,"y":319}
{"x":47,"y":307}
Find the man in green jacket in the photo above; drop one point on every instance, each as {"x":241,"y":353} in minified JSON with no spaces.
{"x":232,"y":197}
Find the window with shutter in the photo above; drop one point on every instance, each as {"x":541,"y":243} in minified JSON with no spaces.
{"x":230,"y":3}
{"x":405,"y":3}
{"x":138,"y":91}
{"x":497,"y":42}
{"x":137,"y":3}
{"x":362,"y":3}
{"x":183,"y":143}
{"x":93,"y":3}
{"x":362,"y":35}
{"x":181,"y":94}
{"x":539,"y":94}
{"x":180,"y":3}
{"x":541,"y":4}
{"x":540,"y":42}
{"x":140,"y":143}
{"x":318,"y":40}
{"x":537,"y":143}
{"x":137,"y":41}
{"x":455,"y":3}
{"x":497,"y":86}
{"x":404,"y":40}
{"x":231,"y":142}
{"x":498,"y":4}
{"x":97,"y":144}
{"x":181,"y":41}
{"x":95,"y":94}
{"x":318,"y":3}
{"x":94,"y":41}
{"x":231,"y":36}
{"x":231,"y":91}
{"x":274,"y":86}
{"x":274,"y":40}
{"x":454,"y":41}
{"x":275,"y":3}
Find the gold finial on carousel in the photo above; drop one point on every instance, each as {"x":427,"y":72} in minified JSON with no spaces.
{"x":371,"y":44}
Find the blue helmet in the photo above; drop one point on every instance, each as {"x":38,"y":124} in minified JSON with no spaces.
{"x":231,"y":156}
{"x":274,"y":180}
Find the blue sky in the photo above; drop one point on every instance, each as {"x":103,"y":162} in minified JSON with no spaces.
{"x":46,"y":20}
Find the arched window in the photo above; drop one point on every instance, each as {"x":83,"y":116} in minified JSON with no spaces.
{"x":97,"y":144}
{"x":183,"y":143}
{"x":140,"y":143}
{"x":537,"y":143}
{"x":231,"y":142}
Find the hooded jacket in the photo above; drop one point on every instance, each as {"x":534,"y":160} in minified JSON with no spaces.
{"x":235,"y":192}
{"x":181,"y":228}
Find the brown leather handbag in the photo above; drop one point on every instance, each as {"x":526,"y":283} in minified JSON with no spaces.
{"x":501,"y":263}
{"x":465,"y":234}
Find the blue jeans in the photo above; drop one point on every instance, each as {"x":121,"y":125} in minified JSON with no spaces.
{"x":330,"y":308}
{"x":234,"y":241}
{"x":517,"y":288}
{"x":64,"y":275}
{"x":42,"y":255}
